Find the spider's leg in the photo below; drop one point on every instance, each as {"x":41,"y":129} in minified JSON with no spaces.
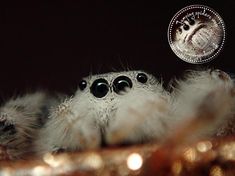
{"x":202,"y":103}
{"x":70,"y":127}
{"x":20,"y":118}
{"x":141,"y":117}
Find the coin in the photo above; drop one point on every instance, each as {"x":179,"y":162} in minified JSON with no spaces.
{"x":196,"y":34}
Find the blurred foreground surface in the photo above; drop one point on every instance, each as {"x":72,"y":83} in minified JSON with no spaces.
{"x":209,"y":157}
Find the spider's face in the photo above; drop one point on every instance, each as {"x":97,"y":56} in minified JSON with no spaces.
{"x":103,"y":93}
{"x":114,"y":85}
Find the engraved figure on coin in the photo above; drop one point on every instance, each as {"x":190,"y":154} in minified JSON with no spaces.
{"x":196,"y":35}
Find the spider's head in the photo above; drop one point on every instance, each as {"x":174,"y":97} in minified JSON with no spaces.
{"x":102,"y":95}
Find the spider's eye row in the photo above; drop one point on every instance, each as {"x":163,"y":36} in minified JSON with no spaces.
{"x":82,"y":85}
{"x":99,"y":88}
{"x":142,"y":78}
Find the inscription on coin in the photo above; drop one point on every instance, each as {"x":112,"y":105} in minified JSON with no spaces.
{"x":196,"y":34}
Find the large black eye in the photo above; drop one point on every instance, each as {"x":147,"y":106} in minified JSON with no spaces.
{"x":100,"y":88}
{"x":186,"y":27}
{"x":121,"y":83}
{"x":82,"y":85}
{"x":141,"y":77}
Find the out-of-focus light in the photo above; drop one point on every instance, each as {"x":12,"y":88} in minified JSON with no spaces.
{"x":204,"y":146}
{"x":228,"y":151}
{"x":93,"y":161}
{"x":134,"y":161}
{"x":40,"y":171}
{"x":190,"y":154}
{"x":50,"y":159}
{"x":216,"y":171}
{"x":176,"y":167}
{"x":55,"y":161}
{"x":6,"y":172}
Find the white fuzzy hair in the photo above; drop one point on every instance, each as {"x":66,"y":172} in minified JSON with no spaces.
{"x":199,"y":106}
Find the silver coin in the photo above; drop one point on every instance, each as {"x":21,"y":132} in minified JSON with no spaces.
{"x":196,"y":34}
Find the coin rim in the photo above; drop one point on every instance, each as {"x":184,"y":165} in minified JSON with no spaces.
{"x":169,"y":33}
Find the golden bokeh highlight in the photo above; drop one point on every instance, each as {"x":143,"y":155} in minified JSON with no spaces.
{"x":134,"y":161}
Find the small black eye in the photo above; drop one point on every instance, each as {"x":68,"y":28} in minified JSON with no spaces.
{"x":82,"y":85}
{"x":100,"y":88}
{"x":141,"y":77}
{"x":121,"y":83}
{"x":191,"y":21}
{"x":180,"y":30}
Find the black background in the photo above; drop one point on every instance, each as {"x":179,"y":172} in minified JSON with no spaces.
{"x":51,"y":45}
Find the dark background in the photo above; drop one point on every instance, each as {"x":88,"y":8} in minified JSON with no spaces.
{"x":51,"y":45}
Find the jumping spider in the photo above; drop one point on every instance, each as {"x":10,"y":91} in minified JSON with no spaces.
{"x":116,"y":108}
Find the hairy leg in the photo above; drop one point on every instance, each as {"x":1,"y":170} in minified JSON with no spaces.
{"x":20,"y":118}
{"x":202,"y":103}
{"x":140,"y":117}
{"x":69,"y":128}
